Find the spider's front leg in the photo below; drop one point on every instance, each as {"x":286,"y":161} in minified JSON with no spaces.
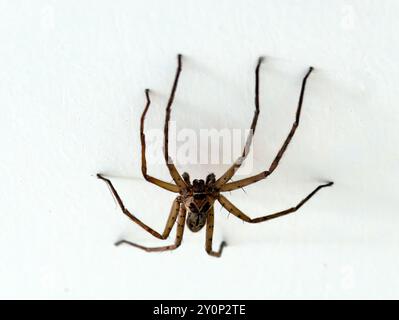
{"x":239,"y":214}
{"x":178,"y":240}
{"x":209,"y":236}
{"x":247,"y":181}
{"x":169,"y":224}
{"x":169,"y":162}
{"x":237,"y":164}
{"x":165,"y":185}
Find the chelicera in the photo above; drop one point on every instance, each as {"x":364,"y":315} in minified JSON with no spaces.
{"x":194,"y":204}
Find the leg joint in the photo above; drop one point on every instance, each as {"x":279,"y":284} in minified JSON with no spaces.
{"x":177,"y":244}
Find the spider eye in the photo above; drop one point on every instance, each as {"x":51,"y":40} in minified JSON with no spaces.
{"x":199,"y":185}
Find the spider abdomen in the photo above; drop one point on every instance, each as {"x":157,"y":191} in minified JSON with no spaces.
{"x":196,"y":221}
{"x":198,"y":206}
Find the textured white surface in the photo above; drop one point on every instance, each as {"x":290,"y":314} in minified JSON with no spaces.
{"x":72,"y":78}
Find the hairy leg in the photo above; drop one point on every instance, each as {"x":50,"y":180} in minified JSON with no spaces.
{"x":209,"y":236}
{"x":169,"y":162}
{"x":169,"y":224}
{"x":237,"y":164}
{"x":247,"y":181}
{"x":165,"y":185}
{"x":239,"y":214}
{"x":179,"y":236}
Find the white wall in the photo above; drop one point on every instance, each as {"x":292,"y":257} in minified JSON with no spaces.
{"x":72,"y":79}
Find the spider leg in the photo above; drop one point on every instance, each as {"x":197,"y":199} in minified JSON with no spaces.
{"x":165,"y":185}
{"x":169,"y":162}
{"x":237,"y":164}
{"x":169,"y":224}
{"x":178,"y":239}
{"x":209,"y":236}
{"x":239,"y":214}
{"x":247,"y":181}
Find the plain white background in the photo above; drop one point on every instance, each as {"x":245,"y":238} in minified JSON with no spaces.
{"x":73,"y":75}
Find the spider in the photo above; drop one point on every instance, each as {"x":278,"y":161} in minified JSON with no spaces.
{"x":194,"y":204}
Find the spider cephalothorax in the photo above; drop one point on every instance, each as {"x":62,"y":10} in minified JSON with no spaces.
{"x":195,"y":202}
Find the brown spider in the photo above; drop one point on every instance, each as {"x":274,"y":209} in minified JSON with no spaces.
{"x":195,"y":203}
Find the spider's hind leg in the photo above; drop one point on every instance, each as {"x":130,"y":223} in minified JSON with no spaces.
{"x":209,"y":237}
{"x":178,"y":240}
